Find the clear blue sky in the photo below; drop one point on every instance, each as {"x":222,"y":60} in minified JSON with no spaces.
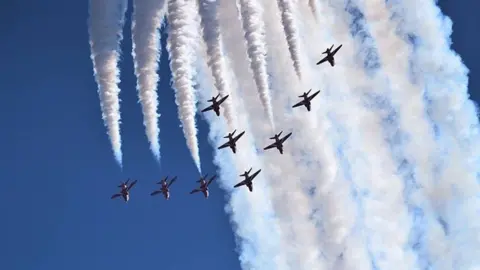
{"x":58,"y":171}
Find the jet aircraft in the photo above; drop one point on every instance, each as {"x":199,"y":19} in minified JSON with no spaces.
{"x":232,"y":141}
{"x":278,"y":142}
{"x":330,"y":55}
{"x":125,"y":190}
{"x":165,"y":189}
{"x":215,"y":104}
{"x":306,"y":99}
{"x":248,"y":179}
{"x":203,"y":185}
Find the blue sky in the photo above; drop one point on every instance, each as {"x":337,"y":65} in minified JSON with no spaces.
{"x":58,"y":170}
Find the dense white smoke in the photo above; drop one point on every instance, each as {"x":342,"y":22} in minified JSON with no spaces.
{"x":105,"y":26}
{"x":181,"y":46}
{"x":380,"y":174}
{"x":146,"y":51}
{"x":436,"y":69}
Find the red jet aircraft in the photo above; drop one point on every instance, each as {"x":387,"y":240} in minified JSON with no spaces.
{"x":125,"y":190}
{"x":165,"y":189}
{"x":204,"y":185}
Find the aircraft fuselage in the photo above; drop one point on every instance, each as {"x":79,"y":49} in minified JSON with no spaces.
{"x":126,"y":196}
{"x":216,"y":109}
{"x":165,"y":191}
{"x":205,"y":192}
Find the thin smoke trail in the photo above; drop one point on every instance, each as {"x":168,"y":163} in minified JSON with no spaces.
{"x":313,"y":8}
{"x":216,"y":62}
{"x":146,"y":51}
{"x":256,"y":231}
{"x":440,"y":71}
{"x":287,"y":9}
{"x":254,"y":32}
{"x":105,"y":30}
{"x":181,"y":47}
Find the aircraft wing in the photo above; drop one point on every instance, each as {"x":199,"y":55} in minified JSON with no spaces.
{"x":286,"y":137}
{"x":132,"y":184}
{"x":195,"y":191}
{"x":222,"y":100}
{"x":155,"y":192}
{"x":255,"y":174}
{"x":298,"y":104}
{"x":313,"y":95}
{"x":270,"y":146}
{"x":224,"y":145}
{"x":209,"y":108}
{"x":211,"y":180}
{"x":238,"y":136}
{"x":171,"y":181}
{"x":116,"y":196}
{"x":336,"y":50}
{"x":240,"y":184}
{"x":322,"y":61}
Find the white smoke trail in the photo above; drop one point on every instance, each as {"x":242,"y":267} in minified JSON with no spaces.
{"x":437,"y":68}
{"x":215,"y":61}
{"x":146,"y":51}
{"x":254,"y":32}
{"x":313,"y":8}
{"x":287,"y":9}
{"x":181,"y":48}
{"x":257,"y":234}
{"x":105,"y":27}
